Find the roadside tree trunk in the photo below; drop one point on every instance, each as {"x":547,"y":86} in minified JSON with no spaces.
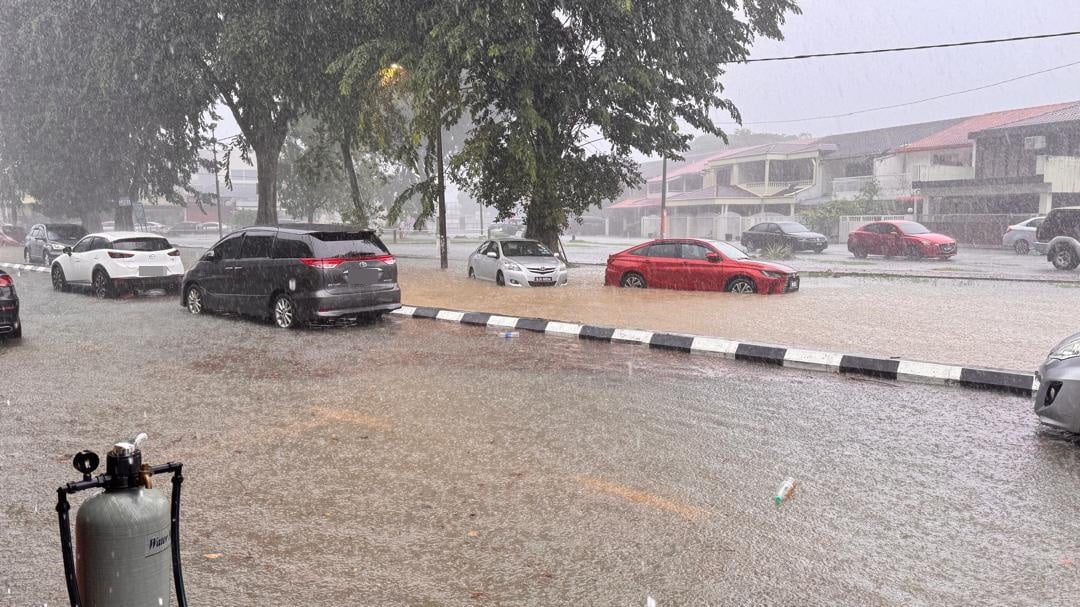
{"x":354,"y":184}
{"x":267,"y":149}
{"x":545,"y":217}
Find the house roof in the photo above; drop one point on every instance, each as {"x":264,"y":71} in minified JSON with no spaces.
{"x":880,"y":141}
{"x":958,"y":134}
{"x":1069,"y":113}
{"x":636,"y":203}
{"x":780,"y":147}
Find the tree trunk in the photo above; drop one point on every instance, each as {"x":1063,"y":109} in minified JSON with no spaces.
{"x":544,"y":217}
{"x":443,"y":263}
{"x":267,"y":156}
{"x":122,"y":217}
{"x":354,"y":185}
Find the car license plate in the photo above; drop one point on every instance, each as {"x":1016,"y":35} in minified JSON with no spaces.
{"x":544,"y":279}
{"x":793,"y":284}
{"x":152,"y":271}
{"x":363,"y":276}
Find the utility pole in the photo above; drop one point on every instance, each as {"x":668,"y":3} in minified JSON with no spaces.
{"x":217,"y":185}
{"x":663,"y":199}
{"x":442,"y":197}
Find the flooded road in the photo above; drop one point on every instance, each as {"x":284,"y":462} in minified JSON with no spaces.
{"x":419,"y":463}
{"x":988,"y":324}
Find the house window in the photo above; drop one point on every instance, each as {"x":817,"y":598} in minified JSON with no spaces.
{"x":951,"y":160}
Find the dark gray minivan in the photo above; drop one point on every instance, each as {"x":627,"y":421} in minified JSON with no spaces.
{"x":295,"y":274}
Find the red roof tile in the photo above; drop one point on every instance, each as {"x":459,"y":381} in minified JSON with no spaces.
{"x":636,"y":203}
{"x":957,"y":134}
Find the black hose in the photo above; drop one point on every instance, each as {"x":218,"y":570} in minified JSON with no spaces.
{"x":178,"y":575}
{"x":62,"y":508}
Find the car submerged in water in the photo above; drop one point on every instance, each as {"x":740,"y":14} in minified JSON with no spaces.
{"x":517,"y":262}
{"x":697,"y":265}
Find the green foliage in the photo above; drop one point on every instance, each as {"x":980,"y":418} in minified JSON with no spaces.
{"x":243,"y":218}
{"x":825,"y":218}
{"x":94,"y":105}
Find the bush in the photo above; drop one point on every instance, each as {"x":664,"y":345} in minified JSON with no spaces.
{"x":777,"y":251}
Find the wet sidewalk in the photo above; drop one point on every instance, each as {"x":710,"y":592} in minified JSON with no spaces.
{"x":974,"y":323}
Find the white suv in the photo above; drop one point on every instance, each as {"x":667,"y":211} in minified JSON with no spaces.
{"x":110,"y":261}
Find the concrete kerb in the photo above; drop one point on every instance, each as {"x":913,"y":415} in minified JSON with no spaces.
{"x":24,"y":267}
{"x":891,"y":369}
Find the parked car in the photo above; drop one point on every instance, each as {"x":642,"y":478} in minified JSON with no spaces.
{"x":110,"y":262}
{"x":790,"y":234}
{"x":212,"y":226}
{"x":10,"y":326}
{"x":184,"y":227}
{"x":518,"y":263}
{"x":1057,"y":402}
{"x":12,"y":236}
{"x":1059,"y":237}
{"x":896,"y":238}
{"x":46,"y":241}
{"x":295,"y":274}
{"x":1020,"y":237}
{"x":697,"y":265}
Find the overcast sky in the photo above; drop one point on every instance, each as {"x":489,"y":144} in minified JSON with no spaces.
{"x":826,"y":86}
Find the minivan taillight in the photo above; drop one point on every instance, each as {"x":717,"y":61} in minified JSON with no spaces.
{"x":119,"y":255}
{"x":329,"y":263}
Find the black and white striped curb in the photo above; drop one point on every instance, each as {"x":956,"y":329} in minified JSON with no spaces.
{"x":1011,"y":382}
{"x":24,"y":267}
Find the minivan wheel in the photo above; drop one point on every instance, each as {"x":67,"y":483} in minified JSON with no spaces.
{"x":1065,"y":259}
{"x":284,"y":312}
{"x":1022,"y":247}
{"x":193,"y":299}
{"x":500,"y":279}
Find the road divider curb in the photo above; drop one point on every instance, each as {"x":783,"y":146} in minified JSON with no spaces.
{"x":24,"y":267}
{"x":857,"y":365}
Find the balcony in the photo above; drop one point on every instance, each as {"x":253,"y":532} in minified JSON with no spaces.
{"x":940,"y":172}
{"x":1061,"y":172}
{"x":770,"y":188}
{"x":889,"y":186}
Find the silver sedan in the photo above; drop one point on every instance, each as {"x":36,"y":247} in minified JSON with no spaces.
{"x":517,"y":262}
{"x":1057,"y":402}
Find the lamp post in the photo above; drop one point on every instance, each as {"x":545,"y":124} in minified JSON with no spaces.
{"x":663,"y":199}
{"x":217,"y":183}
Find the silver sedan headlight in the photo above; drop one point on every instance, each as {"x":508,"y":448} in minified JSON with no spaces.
{"x":1069,"y":349}
{"x":513,"y":267}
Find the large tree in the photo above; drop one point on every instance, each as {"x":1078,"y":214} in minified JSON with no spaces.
{"x":95,"y":108}
{"x":546,"y":80}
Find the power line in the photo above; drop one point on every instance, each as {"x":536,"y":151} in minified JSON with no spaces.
{"x":914,"y":48}
{"x":907,"y":103}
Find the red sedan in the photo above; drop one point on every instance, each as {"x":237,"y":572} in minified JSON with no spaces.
{"x":697,"y":265}
{"x":895,"y":238}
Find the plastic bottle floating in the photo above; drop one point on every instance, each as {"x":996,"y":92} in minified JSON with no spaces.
{"x":508,"y":334}
{"x":785,"y":491}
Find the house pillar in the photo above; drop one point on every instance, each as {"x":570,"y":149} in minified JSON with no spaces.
{"x":791,"y":209}
{"x":766,"y":173}
{"x":1046,"y":202}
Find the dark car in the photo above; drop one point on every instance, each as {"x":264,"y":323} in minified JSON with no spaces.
{"x":697,"y":265}
{"x":295,"y":274}
{"x":895,"y":238}
{"x":9,"y":308}
{"x":790,"y":234}
{"x":1059,"y":237}
{"x":46,"y":241}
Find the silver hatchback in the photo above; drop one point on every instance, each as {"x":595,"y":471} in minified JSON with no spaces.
{"x":517,"y":262}
{"x":1057,"y":402}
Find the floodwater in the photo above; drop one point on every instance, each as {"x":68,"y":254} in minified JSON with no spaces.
{"x":414,"y":462}
{"x":977,"y":323}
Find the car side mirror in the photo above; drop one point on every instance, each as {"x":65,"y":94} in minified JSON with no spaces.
{"x":713,"y":257}
{"x":211,"y":255}
{"x":67,"y":250}
{"x":492,"y":254}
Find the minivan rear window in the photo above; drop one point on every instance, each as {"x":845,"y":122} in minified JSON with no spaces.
{"x":141,"y":244}
{"x":348,"y":244}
